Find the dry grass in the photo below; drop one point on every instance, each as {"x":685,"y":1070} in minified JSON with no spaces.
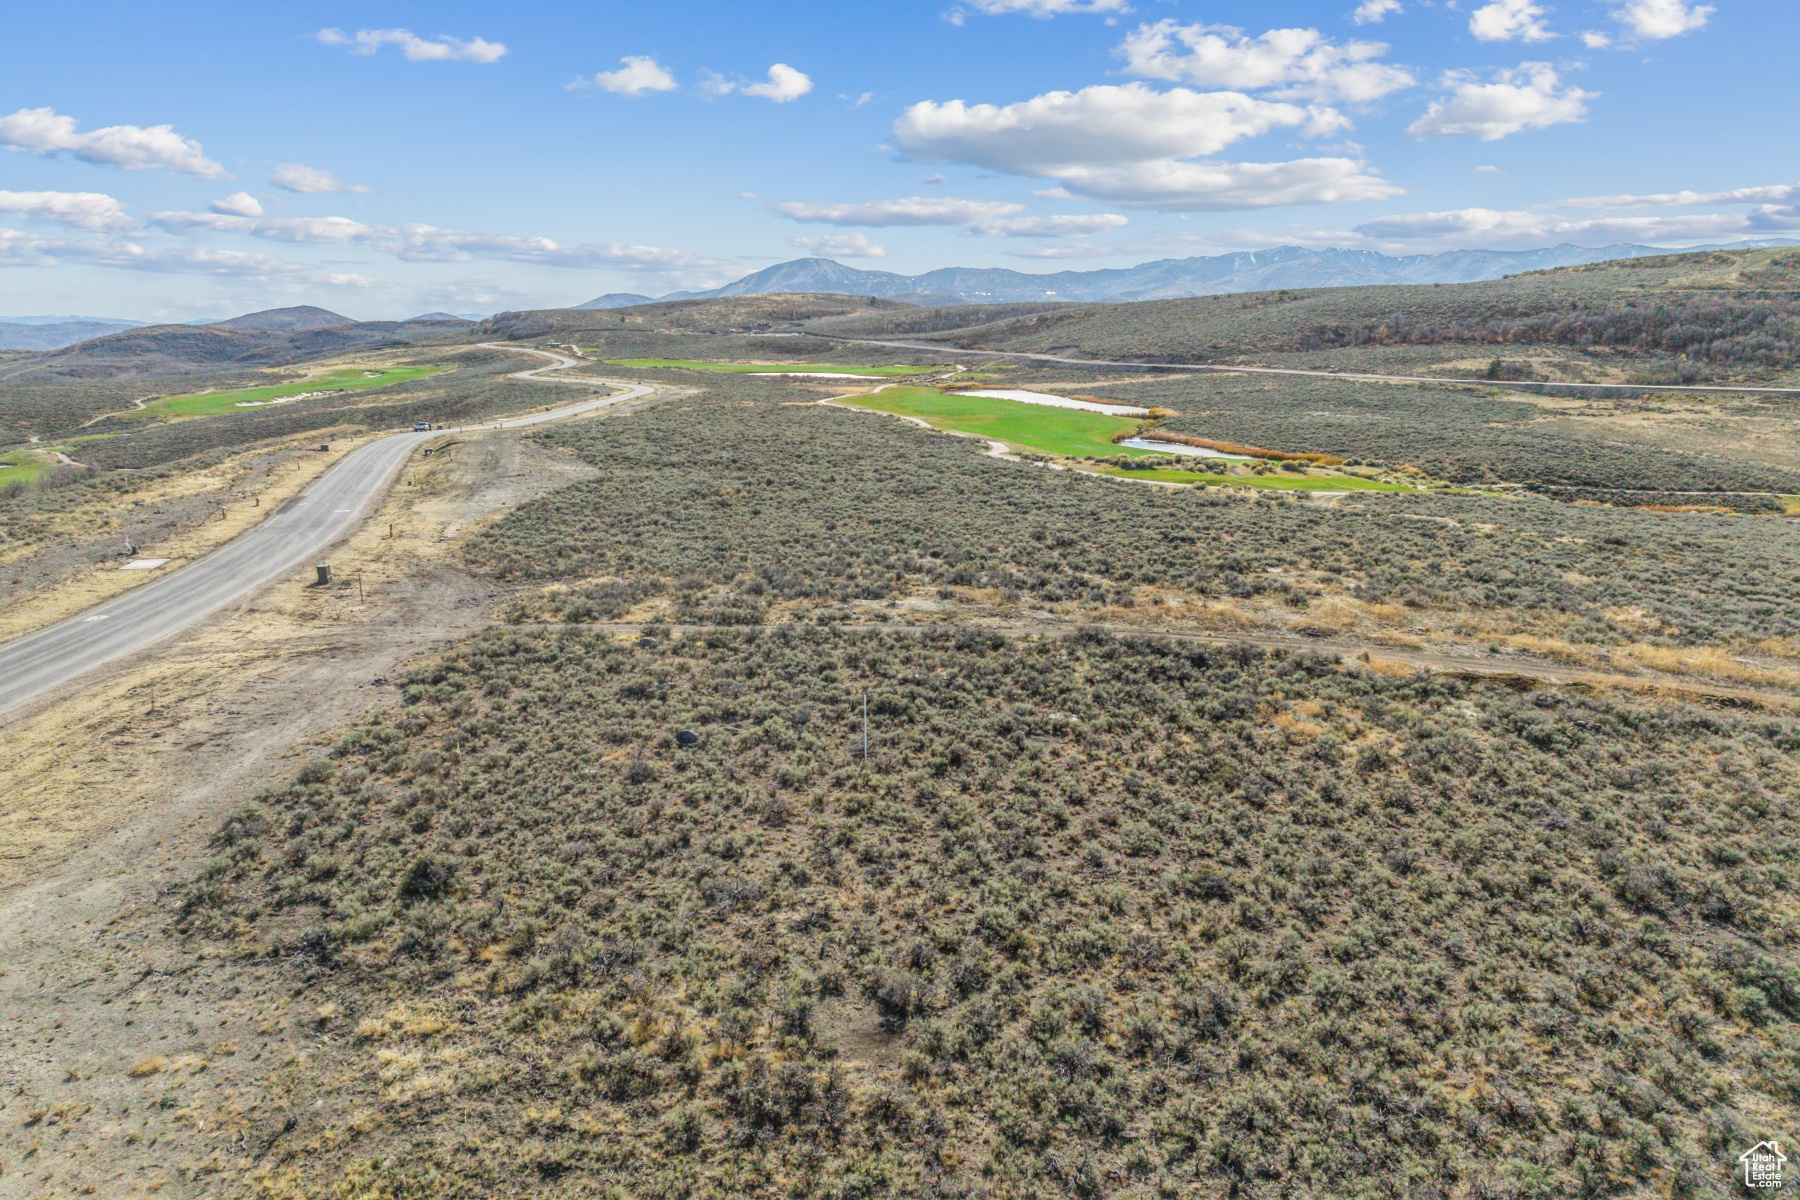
{"x":103,"y":581}
{"x":1712,"y":662}
{"x":76,"y":767}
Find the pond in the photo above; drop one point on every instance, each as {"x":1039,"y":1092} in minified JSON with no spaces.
{"x":1139,"y":443}
{"x":1045,"y":398}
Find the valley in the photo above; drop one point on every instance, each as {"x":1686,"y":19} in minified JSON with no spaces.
{"x":1398,"y":795}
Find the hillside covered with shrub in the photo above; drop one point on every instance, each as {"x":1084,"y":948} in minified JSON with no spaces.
{"x":1095,"y":918}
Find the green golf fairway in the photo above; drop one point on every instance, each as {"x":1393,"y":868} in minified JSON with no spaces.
{"x":206,"y":404}
{"x":1071,"y":432}
{"x":22,"y":466}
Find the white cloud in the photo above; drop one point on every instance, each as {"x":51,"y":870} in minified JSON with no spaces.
{"x":913,"y":210}
{"x":983,"y":218}
{"x":840,"y":245}
{"x":1595,"y":40}
{"x":1490,"y":228}
{"x":1505,"y":20}
{"x":1658,"y":19}
{"x":427,"y":243}
{"x":785,"y":84}
{"x":1302,"y":63}
{"x":129,"y":147}
{"x":443,"y":48}
{"x":1045,"y":9}
{"x":1781,"y":193}
{"x":26,"y":250}
{"x":77,"y":210}
{"x":1527,"y":98}
{"x":1227,"y":187}
{"x":280,"y":229}
{"x":294,"y":177}
{"x":1067,"y":225}
{"x":640,"y":74}
{"x":1125,"y":144}
{"x":238,"y":204}
{"x":1098,"y":126}
{"x":1374,"y":11}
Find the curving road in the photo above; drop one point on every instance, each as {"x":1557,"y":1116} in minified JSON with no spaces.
{"x":295,"y":534}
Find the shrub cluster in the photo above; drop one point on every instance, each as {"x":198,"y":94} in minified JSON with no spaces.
{"x":774,"y":502}
{"x":1456,"y":434}
{"x":1096,"y":918}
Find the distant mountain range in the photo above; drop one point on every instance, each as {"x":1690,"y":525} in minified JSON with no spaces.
{"x":53,"y":333}
{"x":1169,"y":278}
{"x":272,"y":338}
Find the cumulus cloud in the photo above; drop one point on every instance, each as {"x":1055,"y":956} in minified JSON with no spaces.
{"x":442,"y":48}
{"x":1125,"y":145}
{"x":293,"y":177}
{"x":77,"y":210}
{"x":1658,"y":19}
{"x":1045,"y":9}
{"x":129,"y":147}
{"x":238,"y":204}
{"x":1228,"y":186}
{"x":1101,"y":125}
{"x":1301,"y":63}
{"x":840,"y":245}
{"x":640,"y":74}
{"x":1373,"y":12}
{"x":784,"y":84}
{"x":912,"y":210}
{"x":1593,"y":39}
{"x":1530,"y":97}
{"x":1507,"y":20}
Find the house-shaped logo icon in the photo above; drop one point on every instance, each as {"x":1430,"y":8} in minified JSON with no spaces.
{"x":1762,"y":1165}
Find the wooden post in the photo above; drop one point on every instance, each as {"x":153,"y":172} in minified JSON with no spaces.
{"x":865,"y":727}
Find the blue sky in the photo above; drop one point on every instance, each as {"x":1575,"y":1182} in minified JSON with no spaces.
{"x":181,"y":161}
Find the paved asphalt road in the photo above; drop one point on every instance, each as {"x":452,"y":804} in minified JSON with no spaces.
{"x":297,"y":532}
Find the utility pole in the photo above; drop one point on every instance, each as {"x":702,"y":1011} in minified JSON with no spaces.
{"x":865,"y":727}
